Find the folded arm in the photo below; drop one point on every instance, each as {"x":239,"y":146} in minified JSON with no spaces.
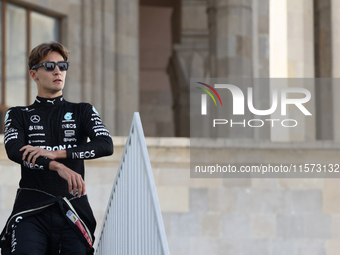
{"x":35,"y":157}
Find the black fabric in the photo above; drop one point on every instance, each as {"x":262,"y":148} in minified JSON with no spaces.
{"x":41,"y":201}
{"x":53,"y":124}
{"x":49,"y":233}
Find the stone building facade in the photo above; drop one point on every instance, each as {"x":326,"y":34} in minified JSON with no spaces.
{"x":121,"y":60}
{"x":129,"y":55}
{"x":102,"y":37}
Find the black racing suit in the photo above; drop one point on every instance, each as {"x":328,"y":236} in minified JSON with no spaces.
{"x":53,"y":124}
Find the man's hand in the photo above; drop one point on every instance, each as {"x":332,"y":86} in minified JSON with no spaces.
{"x":35,"y":152}
{"x":74,"y":180}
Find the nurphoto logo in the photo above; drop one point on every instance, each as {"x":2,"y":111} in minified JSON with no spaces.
{"x":301,"y":97}
{"x":204,"y":97}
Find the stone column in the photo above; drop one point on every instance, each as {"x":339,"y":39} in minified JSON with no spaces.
{"x":292,"y":40}
{"x":72,"y":40}
{"x":109,"y":66}
{"x":97,"y":58}
{"x":127,"y":64}
{"x":189,"y":60}
{"x":292,"y":56}
{"x":323,"y":69}
{"x":260,"y":49}
{"x":260,"y":38}
{"x":323,"y":38}
{"x":335,"y":20}
{"x":234,"y":57}
{"x":86,"y":47}
{"x":234,"y":38}
{"x":300,"y":39}
{"x":97,"y":54}
{"x":211,"y":11}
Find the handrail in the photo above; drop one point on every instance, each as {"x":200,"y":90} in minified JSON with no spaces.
{"x":133,"y":221}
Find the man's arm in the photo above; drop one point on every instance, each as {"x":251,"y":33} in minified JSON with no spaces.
{"x":17,"y":151}
{"x":74,"y":180}
{"x":100,"y":139}
{"x":14,"y":140}
{"x":31,"y":153}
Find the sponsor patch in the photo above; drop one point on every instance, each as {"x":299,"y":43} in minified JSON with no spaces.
{"x":59,"y":147}
{"x":68,"y":116}
{"x":83,"y":154}
{"x":70,"y":133}
{"x":27,"y":110}
{"x":36,"y":141}
{"x":7,"y":115}
{"x":10,"y":138}
{"x":35,"y":118}
{"x":103,"y":133}
{"x":36,"y":134}
{"x":100,"y":129}
{"x":30,"y":128}
{"x":35,"y":166}
{"x":69,"y":125}
{"x":51,"y":101}
{"x":70,"y":140}
{"x":95,"y":110}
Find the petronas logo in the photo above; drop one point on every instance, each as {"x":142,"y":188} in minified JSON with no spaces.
{"x":68,"y":116}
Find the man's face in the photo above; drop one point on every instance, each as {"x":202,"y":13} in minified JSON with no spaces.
{"x":50,"y":84}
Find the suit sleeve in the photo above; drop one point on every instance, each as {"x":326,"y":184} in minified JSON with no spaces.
{"x":100,"y":143}
{"x":14,"y":140}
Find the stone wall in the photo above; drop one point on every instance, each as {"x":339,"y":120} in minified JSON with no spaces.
{"x":102,"y":36}
{"x":247,"y":216}
{"x":223,"y":216}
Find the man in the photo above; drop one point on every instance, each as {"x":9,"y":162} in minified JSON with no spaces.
{"x":51,"y":213}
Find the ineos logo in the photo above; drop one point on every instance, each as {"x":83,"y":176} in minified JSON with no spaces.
{"x":35,"y":118}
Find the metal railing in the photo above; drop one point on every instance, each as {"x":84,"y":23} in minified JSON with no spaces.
{"x":133,"y":223}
